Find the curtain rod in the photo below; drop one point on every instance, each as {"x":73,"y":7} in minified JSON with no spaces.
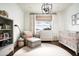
{"x":43,"y":13}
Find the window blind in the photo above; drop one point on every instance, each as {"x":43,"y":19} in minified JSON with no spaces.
{"x":43,"y":17}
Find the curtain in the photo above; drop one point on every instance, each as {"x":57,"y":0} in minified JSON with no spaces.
{"x":32,"y":23}
{"x":38,"y":17}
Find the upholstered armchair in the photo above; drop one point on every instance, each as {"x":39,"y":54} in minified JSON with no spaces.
{"x":30,"y":40}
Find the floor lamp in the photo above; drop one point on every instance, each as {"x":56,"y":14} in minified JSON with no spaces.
{"x":19,"y":30}
{"x":20,"y":43}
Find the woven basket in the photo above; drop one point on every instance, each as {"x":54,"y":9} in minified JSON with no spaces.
{"x":3,"y":13}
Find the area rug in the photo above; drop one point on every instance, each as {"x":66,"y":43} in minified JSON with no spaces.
{"x":44,"y":50}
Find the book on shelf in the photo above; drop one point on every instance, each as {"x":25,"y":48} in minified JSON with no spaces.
{"x":5,"y":27}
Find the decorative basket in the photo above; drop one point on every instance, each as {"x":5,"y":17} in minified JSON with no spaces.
{"x":3,"y":13}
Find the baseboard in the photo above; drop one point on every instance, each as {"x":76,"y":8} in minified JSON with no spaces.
{"x":51,"y":41}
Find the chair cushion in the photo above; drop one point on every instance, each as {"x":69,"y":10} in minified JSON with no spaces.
{"x":28,"y":34}
{"x":33,"y":39}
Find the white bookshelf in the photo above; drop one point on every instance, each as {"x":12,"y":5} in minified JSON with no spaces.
{"x":4,"y":29}
{"x":6,"y":36}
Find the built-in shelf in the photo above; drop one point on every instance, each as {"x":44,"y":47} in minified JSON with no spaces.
{"x":5,"y":39}
{"x":5,"y":29}
{"x":5,"y":17}
{"x":6,"y":35}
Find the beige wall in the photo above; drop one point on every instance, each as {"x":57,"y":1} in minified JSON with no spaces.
{"x":16,"y":14}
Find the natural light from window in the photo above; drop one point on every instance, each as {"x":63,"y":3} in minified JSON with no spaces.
{"x":43,"y":25}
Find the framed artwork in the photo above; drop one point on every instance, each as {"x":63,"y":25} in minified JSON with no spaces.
{"x":75,"y":19}
{"x":77,"y":15}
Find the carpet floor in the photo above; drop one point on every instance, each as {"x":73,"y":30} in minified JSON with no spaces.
{"x":45,"y":49}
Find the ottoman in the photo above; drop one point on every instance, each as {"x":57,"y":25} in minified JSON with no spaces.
{"x":20,"y":42}
{"x":33,"y":42}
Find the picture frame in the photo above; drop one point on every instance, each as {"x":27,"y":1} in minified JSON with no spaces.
{"x":75,"y":19}
{"x":77,"y":15}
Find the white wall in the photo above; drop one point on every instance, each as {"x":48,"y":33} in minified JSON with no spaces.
{"x":58,"y":24}
{"x":26,"y":21}
{"x":16,"y":14}
{"x":67,"y":16}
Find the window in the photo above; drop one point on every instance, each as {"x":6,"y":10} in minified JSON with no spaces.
{"x":43,"y":23}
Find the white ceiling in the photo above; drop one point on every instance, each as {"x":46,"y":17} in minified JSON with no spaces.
{"x":36,"y":7}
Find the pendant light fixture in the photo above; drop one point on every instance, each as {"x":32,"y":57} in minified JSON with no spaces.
{"x":46,"y":8}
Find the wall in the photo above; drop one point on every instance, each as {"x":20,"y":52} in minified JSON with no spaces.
{"x":27,"y":21}
{"x":16,"y":14}
{"x":73,"y":9}
{"x":57,"y":24}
